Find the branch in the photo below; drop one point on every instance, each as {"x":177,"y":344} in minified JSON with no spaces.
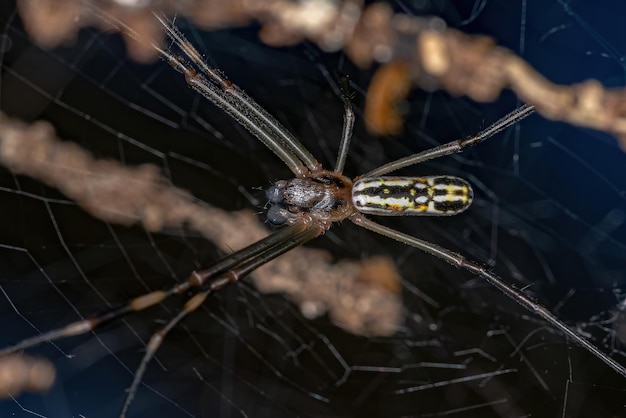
{"x":368,"y":303}
{"x":433,"y":56}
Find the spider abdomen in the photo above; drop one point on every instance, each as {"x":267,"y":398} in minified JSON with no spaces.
{"x":421,"y":196}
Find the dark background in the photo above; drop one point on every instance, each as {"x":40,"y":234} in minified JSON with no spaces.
{"x":548,"y":216}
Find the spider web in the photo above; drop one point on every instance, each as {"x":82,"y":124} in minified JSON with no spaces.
{"x":548,"y":216}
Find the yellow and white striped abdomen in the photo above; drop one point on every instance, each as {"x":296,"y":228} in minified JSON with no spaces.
{"x":398,"y":196}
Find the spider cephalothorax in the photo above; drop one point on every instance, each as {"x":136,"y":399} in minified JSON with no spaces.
{"x":325,"y":196}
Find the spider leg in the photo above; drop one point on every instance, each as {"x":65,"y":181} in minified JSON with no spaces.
{"x":243,"y":106}
{"x":155,"y":342}
{"x":346,"y":133}
{"x":453,"y":147}
{"x":288,"y":242}
{"x":199,"y":83}
{"x":509,"y":290}
{"x":256,"y":252}
{"x":227,"y":96}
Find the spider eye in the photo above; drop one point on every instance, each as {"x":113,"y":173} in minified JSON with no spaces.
{"x":277,"y":215}
{"x":274,"y":193}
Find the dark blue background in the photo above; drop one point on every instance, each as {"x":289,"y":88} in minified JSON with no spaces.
{"x":552,"y":194}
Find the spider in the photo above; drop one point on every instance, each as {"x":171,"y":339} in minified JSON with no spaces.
{"x":310,"y":203}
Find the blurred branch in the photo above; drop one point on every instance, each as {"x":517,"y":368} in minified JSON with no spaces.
{"x":433,"y":55}
{"x":362,"y":297}
{"x":20,"y":373}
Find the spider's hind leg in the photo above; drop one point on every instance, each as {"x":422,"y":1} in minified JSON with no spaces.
{"x":509,"y":290}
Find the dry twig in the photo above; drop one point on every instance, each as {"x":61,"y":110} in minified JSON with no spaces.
{"x":359,"y":296}
{"x":434,"y":55}
{"x":20,"y":373}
